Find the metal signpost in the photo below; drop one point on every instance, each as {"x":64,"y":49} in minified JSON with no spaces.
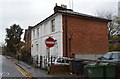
{"x":50,"y":42}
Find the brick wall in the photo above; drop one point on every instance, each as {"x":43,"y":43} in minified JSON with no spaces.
{"x":27,"y":38}
{"x":55,"y":69}
{"x":85,"y":36}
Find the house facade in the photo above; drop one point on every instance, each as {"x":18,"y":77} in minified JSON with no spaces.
{"x":50,"y":27}
{"x":27,"y":39}
{"x":75,"y":34}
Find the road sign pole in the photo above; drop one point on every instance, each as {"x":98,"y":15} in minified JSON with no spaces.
{"x":50,"y":42}
{"x":48,"y":60}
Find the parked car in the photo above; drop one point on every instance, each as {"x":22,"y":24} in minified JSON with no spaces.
{"x":59,"y":61}
{"x":62,"y":61}
{"x":111,"y":56}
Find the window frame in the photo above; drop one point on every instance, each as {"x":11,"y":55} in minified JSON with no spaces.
{"x":33,"y":33}
{"x":38,"y":32}
{"x":53,"y":25}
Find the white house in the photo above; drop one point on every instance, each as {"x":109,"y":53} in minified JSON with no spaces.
{"x":50,"y":27}
{"x":77,"y":35}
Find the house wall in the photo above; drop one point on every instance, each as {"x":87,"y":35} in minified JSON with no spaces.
{"x":38,"y":42}
{"x":27,"y":39}
{"x":85,"y":36}
{"x":87,"y":56}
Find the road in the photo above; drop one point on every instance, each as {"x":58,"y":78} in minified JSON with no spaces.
{"x":8,"y":68}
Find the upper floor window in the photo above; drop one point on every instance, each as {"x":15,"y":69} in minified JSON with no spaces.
{"x":45,"y":28}
{"x":37,"y":32}
{"x":53,"y":25}
{"x":34,"y":33}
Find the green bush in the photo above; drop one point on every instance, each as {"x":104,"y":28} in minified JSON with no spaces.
{"x":114,"y":47}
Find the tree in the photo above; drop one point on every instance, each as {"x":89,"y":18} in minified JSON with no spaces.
{"x":114,"y":43}
{"x":118,"y":25}
{"x":13,"y":38}
{"x":113,"y":26}
{"x":113,"y":30}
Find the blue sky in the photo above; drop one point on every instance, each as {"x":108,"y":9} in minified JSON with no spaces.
{"x":30,"y":12}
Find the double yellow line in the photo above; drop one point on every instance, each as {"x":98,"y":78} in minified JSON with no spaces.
{"x":25,"y":73}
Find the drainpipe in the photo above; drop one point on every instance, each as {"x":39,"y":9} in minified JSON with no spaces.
{"x":66,"y":35}
{"x":70,"y":44}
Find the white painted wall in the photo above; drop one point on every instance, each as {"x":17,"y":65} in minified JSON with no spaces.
{"x":45,"y":32}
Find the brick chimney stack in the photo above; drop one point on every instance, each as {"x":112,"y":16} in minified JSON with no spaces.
{"x":62,"y":7}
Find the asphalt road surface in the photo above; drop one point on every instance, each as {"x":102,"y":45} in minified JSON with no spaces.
{"x":8,"y":69}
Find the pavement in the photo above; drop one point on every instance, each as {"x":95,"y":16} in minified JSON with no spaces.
{"x":37,"y":72}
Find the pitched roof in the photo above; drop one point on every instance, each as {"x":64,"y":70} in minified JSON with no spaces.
{"x":72,"y":13}
{"x":67,"y":12}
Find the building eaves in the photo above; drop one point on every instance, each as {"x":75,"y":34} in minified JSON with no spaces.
{"x":45,"y":19}
{"x":82,"y":15}
{"x":67,"y":12}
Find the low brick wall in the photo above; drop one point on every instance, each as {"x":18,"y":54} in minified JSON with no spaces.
{"x":59,"y":69}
